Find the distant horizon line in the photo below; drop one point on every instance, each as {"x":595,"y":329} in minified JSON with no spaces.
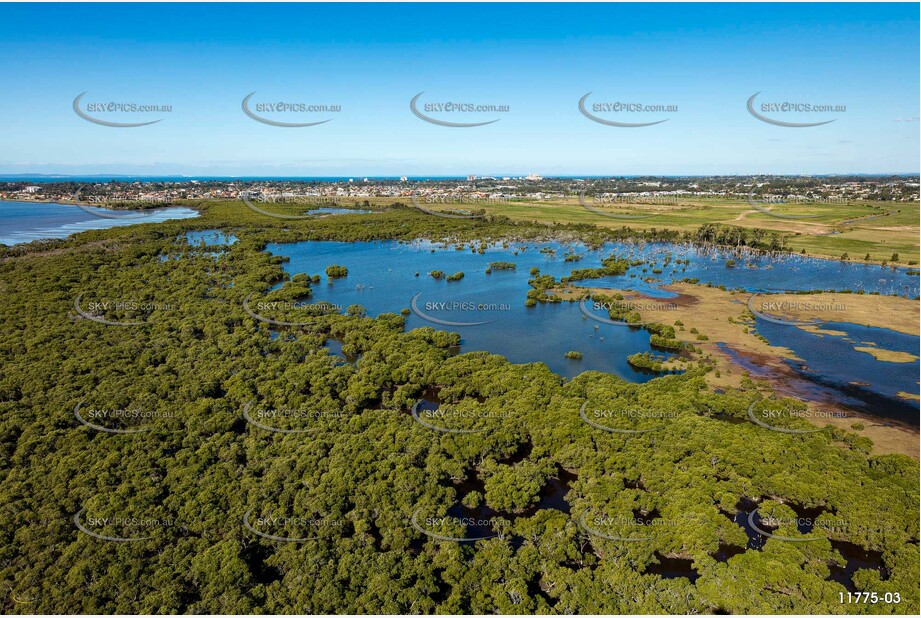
{"x":361,"y":177}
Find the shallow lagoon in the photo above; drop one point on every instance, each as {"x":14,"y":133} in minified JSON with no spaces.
{"x":382,"y":278}
{"x":857,"y":379}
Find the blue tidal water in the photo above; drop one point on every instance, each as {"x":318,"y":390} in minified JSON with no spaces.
{"x":860,"y":381}
{"x":27,"y":221}
{"x":382,"y":278}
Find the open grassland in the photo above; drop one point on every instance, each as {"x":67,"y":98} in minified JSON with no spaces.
{"x":824,"y":230}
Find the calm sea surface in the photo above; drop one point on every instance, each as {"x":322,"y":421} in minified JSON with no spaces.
{"x":27,"y":221}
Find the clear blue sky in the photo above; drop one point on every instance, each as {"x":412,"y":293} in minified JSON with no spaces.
{"x":538,"y":59}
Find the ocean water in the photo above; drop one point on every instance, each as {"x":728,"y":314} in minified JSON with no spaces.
{"x":27,"y":221}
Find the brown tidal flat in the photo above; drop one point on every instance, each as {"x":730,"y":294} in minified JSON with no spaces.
{"x":724,"y":317}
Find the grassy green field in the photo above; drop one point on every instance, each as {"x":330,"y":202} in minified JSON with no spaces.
{"x":879,"y":229}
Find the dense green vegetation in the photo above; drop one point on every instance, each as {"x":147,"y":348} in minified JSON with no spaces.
{"x":645,"y":360}
{"x":611,"y":266}
{"x":355,"y":467}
